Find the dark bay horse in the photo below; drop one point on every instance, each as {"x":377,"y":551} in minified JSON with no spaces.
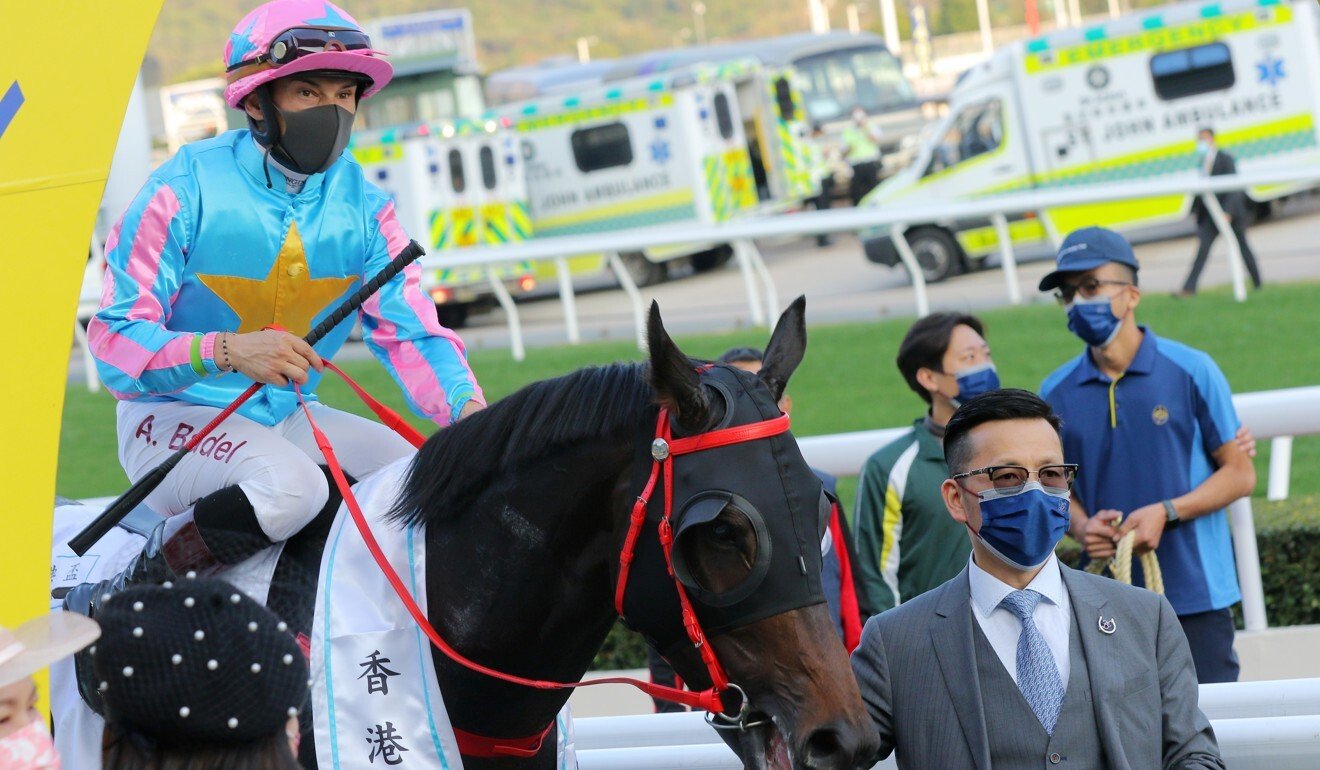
{"x":526,"y":505}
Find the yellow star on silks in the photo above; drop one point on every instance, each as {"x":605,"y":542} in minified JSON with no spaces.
{"x":288,"y":296}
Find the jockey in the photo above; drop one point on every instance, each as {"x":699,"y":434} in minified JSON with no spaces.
{"x":268,"y":226}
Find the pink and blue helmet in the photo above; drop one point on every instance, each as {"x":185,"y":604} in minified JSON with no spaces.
{"x":284,"y":37}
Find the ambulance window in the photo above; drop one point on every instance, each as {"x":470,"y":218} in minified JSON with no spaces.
{"x":602,"y":147}
{"x":1192,"y":71}
{"x":784,"y":99}
{"x":456,"y":178}
{"x":723,"y":118}
{"x":487,"y":168}
{"x":977,"y":130}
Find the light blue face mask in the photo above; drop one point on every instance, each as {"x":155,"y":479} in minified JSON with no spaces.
{"x":975,"y":380}
{"x":1022,"y":526}
{"x":1093,"y":320}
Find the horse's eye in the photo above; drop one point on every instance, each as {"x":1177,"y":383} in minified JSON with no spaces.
{"x":723,"y":531}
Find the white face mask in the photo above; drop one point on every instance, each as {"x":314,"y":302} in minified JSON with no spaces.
{"x":30,"y":748}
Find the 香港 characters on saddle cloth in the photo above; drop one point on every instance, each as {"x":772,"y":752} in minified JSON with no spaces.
{"x":269,"y":226}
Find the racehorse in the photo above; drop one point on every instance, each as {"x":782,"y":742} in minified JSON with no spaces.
{"x":526,"y":508}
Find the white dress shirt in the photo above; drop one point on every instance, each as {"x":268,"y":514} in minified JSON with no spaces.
{"x":1053,"y":615}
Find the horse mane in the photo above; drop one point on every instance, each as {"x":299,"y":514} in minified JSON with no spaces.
{"x":456,"y":464}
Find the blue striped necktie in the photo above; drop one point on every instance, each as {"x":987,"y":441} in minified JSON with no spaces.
{"x":1037,"y":675}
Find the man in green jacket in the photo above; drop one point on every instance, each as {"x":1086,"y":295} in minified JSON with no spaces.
{"x":906,"y":542}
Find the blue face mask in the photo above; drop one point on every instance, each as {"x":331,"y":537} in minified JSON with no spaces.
{"x":974,"y":381}
{"x":1021,"y":528}
{"x":1093,"y":320}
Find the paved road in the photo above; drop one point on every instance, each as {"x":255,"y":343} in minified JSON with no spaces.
{"x":841,"y":285}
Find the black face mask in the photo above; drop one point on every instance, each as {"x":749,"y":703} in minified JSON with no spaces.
{"x":312,"y":139}
{"x":768,"y":484}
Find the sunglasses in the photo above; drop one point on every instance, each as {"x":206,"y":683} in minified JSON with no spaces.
{"x":295,"y":43}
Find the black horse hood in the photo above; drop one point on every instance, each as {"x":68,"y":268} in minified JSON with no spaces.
{"x":769,"y":483}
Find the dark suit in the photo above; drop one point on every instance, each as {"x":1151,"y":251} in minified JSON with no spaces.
{"x":1234,"y":205}
{"x":917,"y":667}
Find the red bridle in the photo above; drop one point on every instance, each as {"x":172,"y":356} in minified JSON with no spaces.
{"x":663,"y":449}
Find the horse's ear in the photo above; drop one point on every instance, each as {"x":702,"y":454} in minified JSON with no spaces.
{"x":676,"y":383}
{"x":787,"y":346}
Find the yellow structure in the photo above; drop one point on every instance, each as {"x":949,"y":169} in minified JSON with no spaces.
{"x":60,"y":110}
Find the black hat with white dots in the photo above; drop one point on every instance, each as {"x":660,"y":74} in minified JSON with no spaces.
{"x":197,"y":661}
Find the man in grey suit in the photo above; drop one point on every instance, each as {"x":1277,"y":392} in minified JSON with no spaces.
{"x":1019,"y":661}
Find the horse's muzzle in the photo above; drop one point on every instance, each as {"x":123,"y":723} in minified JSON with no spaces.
{"x":838,"y":746}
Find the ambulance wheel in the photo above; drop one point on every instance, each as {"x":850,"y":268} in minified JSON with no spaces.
{"x":709,"y":260}
{"x":452,"y":316}
{"x":643,"y":271}
{"x":937,"y":253}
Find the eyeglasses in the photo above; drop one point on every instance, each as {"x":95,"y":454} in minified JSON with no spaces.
{"x":292,"y":44}
{"x":1088,"y":288}
{"x":1012,"y":476}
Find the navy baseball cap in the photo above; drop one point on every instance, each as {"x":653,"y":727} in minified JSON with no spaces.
{"x":1087,"y":249}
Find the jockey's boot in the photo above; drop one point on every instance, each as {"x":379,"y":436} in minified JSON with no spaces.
{"x":220,"y":530}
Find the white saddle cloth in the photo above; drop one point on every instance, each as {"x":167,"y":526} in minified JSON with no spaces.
{"x":375,"y":695}
{"x":374,"y":691}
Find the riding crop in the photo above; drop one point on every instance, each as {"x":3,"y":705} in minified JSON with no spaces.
{"x":145,"y":485}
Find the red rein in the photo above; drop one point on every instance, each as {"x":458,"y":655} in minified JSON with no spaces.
{"x":473,"y":745}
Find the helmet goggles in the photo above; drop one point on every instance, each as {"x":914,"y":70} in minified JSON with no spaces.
{"x":293,"y":44}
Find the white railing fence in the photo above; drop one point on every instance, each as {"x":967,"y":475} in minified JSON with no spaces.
{"x":1279,"y":741}
{"x":1220,"y":702}
{"x":761,"y":292}
{"x":1271,"y":414}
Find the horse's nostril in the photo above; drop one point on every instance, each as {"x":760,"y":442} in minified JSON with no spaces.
{"x":827,"y":749}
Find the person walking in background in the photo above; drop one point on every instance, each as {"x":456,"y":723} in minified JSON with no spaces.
{"x":1020,"y":662}
{"x":1154,"y":419}
{"x":25,"y":743}
{"x":906,"y":542}
{"x":195,"y":674}
{"x":1216,"y":162}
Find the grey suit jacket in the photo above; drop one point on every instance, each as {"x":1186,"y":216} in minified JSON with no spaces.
{"x":917,"y":672}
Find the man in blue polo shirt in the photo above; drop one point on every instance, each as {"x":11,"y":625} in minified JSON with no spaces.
{"x":1154,"y":420}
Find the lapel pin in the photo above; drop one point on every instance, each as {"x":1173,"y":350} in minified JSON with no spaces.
{"x":1106,"y":625}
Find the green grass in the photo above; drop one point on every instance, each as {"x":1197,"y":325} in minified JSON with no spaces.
{"x":848,"y":381}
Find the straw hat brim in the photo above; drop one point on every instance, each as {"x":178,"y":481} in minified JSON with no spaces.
{"x":45,"y":640}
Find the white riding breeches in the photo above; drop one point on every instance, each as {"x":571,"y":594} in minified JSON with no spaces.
{"x":276,"y":466}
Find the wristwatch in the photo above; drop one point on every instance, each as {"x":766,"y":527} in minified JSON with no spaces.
{"x":1171,"y":520}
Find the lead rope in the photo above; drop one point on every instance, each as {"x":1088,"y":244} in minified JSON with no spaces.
{"x":1120,"y":565}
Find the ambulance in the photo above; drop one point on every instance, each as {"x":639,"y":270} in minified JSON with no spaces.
{"x":1120,"y":101}
{"x":664,"y":148}
{"x":455,"y":185}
